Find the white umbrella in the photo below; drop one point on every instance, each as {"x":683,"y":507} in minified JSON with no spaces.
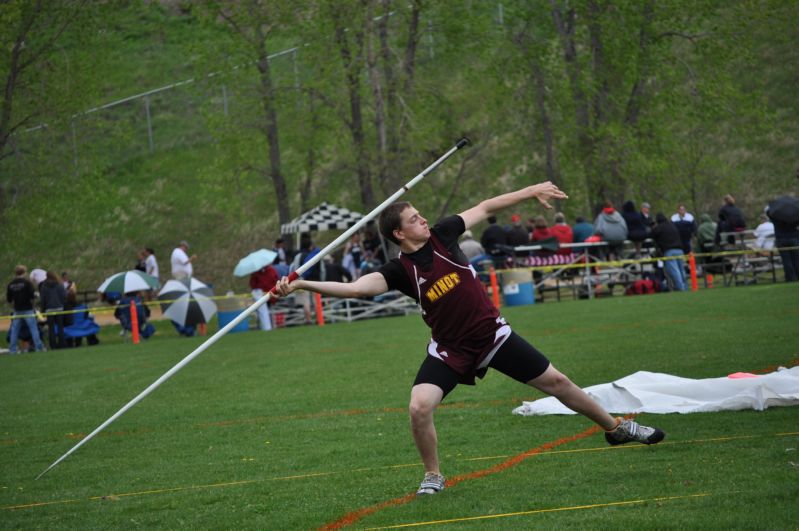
{"x":187,"y":301}
{"x":254,"y":262}
{"x":38,"y":276}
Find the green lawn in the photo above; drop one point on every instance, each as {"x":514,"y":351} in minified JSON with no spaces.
{"x":297,"y":428}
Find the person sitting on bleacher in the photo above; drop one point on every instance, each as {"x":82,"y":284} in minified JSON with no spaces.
{"x":637,"y":229}
{"x":764,"y":234}
{"x":562,"y":232}
{"x":686,"y":226}
{"x":731,"y":219}
{"x":542,"y":232}
{"x":611,"y":226}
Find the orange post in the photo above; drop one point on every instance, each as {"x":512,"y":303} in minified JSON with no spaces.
{"x":692,"y":264}
{"x":492,"y":274}
{"x":134,"y":322}
{"x":201,"y":328}
{"x":320,"y":316}
{"x":709,"y":280}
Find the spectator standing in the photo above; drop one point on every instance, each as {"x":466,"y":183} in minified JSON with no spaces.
{"x":281,"y":263}
{"x":20,"y":294}
{"x":261,"y":282}
{"x":140,"y":264}
{"x":53,"y":298}
{"x":668,"y":241}
{"x":280,"y":249}
{"x":67,"y":283}
{"x":562,"y":232}
{"x":611,"y":226}
{"x":151,"y":264}
{"x":373,"y":248}
{"x":786,"y":236}
{"x":764,"y":233}
{"x":731,"y":219}
{"x":637,"y":226}
{"x":182,"y":262}
{"x":307,"y":251}
{"x":493,"y":239}
{"x":353,"y":256}
{"x":581,"y":230}
{"x":686,"y":226}
{"x":471,"y":247}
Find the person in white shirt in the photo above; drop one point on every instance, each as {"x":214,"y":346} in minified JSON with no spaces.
{"x":151,"y":264}
{"x":181,"y":261}
{"x":765,"y":233}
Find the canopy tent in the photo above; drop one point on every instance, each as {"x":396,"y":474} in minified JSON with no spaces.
{"x":324,"y":217}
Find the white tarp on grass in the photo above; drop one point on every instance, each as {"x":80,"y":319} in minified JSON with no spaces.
{"x":650,"y":392}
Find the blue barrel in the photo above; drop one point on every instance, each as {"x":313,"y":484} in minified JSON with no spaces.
{"x":226,"y":317}
{"x":517,"y":287}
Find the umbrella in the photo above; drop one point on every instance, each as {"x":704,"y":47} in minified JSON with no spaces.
{"x":38,"y":276}
{"x":254,"y":261}
{"x":187,"y":301}
{"x":128,"y":281}
{"x":784,"y":209}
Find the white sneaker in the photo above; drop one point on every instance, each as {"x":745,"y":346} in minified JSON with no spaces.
{"x":431,"y":484}
{"x":631,"y":431}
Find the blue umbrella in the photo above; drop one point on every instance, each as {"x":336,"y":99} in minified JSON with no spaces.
{"x":254,"y":262}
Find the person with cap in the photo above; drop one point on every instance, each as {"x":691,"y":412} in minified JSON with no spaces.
{"x":471,"y":247}
{"x":611,"y":226}
{"x":181,"y":261}
{"x":517,"y":235}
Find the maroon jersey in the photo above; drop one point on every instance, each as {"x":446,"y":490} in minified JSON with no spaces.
{"x":466,"y":327}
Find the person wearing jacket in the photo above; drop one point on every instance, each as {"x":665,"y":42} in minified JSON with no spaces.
{"x":669,"y":244}
{"x":53,"y":298}
{"x":611,"y":226}
{"x":20,"y":294}
{"x":637,"y":229}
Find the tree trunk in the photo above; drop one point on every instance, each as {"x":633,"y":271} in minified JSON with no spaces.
{"x":355,"y":124}
{"x":271,"y":127}
{"x":377,"y":93}
{"x":565,"y":29}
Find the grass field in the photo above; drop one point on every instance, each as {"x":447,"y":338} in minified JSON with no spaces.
{"x":303,"y":427}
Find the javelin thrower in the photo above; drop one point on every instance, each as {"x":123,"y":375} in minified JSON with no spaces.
{"x":468,"y":334}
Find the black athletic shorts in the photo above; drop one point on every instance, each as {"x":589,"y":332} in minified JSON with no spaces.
{"x":515,"y":358}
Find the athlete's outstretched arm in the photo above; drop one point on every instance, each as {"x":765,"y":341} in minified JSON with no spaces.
{"x":542,"y":191}
{"x":366,"y":286}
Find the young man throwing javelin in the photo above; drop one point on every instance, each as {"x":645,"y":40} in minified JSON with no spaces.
{"x":468,"y":334}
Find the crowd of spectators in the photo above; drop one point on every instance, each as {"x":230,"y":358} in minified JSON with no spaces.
{"x":668,"y":237}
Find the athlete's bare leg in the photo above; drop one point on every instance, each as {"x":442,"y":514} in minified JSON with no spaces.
{"x":555,"y":383}
{"x":424,"y":400}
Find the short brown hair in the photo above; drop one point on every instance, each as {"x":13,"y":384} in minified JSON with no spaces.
{"x":390,"y":220}
{"x":20,"y":270}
